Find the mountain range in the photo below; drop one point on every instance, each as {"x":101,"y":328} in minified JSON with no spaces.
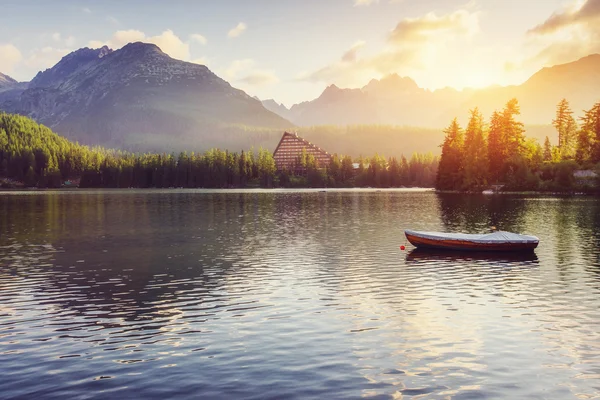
{"x":400,"y":101}
{"x":138,"y":98}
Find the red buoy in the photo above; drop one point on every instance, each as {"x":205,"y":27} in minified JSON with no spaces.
{"x":402,"y":247}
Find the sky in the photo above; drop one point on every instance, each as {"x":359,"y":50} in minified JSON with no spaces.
{"x":290,"y":50}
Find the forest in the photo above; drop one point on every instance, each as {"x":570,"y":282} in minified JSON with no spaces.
{"x":31,"y":155}
{"x":498,"y":153}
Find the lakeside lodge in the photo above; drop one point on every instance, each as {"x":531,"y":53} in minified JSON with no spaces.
{"x":289,"y":150}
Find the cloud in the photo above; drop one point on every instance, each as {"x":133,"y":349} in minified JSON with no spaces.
{"x":70,"y":41}
{"x":10,"y":56}
{"x":357,"y":71}
{"x":588,"y":12}
{"x":567,"y":35}
{"x":237,"y":66}
{"x":237,"y":31}
{"x":57,"y":39}
{"x":41,"y":58}
{"x":415,"y":45}
{"x":460,"y":22}
{"x":112,"y":20}
{"x":350,"y":55}
{"x":243,"y":73}
{"x":358,"y":3}
{"x":171,"y":44}
{"x":94,"y":44}
{"x":86,"y":10}
{"x":260,"y":78}
{"x":168,"y":42}
{"x":119,"y":39}
{"x":198,"y":38}
{"x":37,"y":59}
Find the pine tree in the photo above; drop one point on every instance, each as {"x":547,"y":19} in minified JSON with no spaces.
{"x":450,"y":171}
{"x":266,"y":165}
{"x":591,"y":123}
{"x":506,"y":140}
{"x":588,"y":137}
{"x":347,"y":169}
{"x":394,"y":172}
{"x":547,"y":150}
{"x":335,"y":169}
{"x":496,"y":147}
{"x":513,"y":130}
{"x":404,"y":172}
{"x":475,"y":160}
{"x":567,"y":129}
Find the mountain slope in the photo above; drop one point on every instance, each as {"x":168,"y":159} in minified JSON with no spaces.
{"x":578,"y":82}
{"x":392,"y":100}
{"x":138,"y":98}
{"x":333,"y":107}
{"x":10,"y":88}
{"x":277,"y":108}
{"x":6,"y":82}
{"x":68,"y":66}
{"x":399,"y":101}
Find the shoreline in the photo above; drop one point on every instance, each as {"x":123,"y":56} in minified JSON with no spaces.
{"x":220,"y":190}
{"x":525,"y":192}
{"x":297,"y":189}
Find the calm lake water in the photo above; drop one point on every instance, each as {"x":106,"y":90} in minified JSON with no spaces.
{"x":293,"y":294}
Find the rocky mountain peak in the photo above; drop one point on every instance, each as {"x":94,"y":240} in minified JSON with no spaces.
{"x":68,"y":65}
{"x":104,"y":50}
{"x":333,"y":88}
{"x":141,"y":49}
{"x":10,"y":88}
{"x":6,"y":80}
{"x":272,"y":102}
{"x":334,"y":93}
{"x":390,"y":83}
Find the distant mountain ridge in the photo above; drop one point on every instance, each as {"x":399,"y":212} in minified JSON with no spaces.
{"x":400,"y":101}
{"x":577,"y":81}
{"x":138,"y":98}
{"x":10,"y":88}
{"x":277,"y":108}
{"x":6,"y":82}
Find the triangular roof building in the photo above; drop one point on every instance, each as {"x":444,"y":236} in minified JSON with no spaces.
{"x":289,"y":149}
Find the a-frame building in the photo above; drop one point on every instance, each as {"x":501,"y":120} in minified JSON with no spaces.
{"x":289,"y":149}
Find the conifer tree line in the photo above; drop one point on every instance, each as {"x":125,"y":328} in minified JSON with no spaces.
{"x":498,"y":152}
{"x":377,"y":171}
{"x":37,"y":157}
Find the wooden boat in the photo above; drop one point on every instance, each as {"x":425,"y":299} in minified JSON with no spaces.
{"x":495,"y":241}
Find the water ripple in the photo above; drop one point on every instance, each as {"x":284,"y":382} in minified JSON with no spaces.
{"x":287,"y":294}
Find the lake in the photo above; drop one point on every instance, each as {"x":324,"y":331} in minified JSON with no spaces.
{"x":294,"y":294}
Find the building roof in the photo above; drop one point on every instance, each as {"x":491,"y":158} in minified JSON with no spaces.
{"x":295,"y":136}
{"x":291,"y":146}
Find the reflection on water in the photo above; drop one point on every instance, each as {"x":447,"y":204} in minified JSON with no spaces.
{"x":454,"y":256}
{"x":249,"y":294}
